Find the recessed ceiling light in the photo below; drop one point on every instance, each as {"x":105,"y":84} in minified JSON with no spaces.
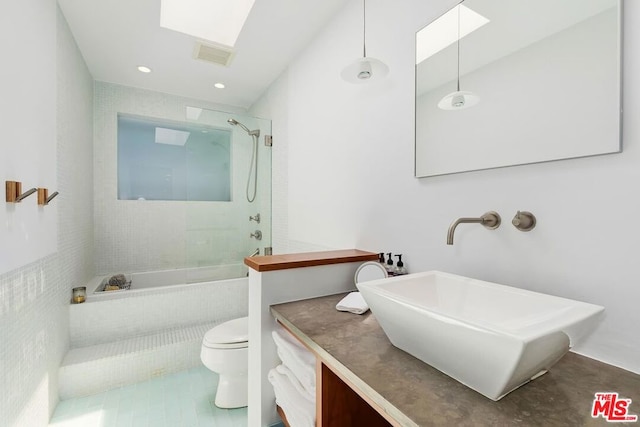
{"x":219,"y":85}
{"x":144,"y":69}
{"x":219,"y":21}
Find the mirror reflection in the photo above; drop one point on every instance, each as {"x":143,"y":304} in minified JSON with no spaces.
{"x":525,"y":81}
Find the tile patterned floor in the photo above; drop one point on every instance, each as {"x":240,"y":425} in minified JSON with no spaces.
{"x":183,"y":399}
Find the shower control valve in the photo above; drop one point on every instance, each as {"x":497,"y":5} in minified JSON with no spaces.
{"x":256,"y":235}
{"x":255,"y":218}
{"x":524,"y":221}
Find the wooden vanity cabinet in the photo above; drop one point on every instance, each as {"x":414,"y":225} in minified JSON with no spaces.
{"x":338,"y":404}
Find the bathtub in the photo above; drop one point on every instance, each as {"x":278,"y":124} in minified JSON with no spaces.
{"x":159,"y":281}
{"x":158,"y":301}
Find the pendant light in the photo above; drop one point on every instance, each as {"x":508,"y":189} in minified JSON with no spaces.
{"x":460,"y":99}
{"x":366,"y":68}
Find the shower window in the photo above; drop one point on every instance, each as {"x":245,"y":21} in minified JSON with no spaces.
{"x":162,"y":160}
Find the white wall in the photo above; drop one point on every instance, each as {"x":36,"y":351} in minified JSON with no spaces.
{"x":343,"y":177}
{"x":34,"y":299}
{"x":27,"y":108}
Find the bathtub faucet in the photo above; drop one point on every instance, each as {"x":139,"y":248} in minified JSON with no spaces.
{"x":255,"y":253}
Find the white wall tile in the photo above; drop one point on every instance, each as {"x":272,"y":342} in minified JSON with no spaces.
{"x":133,"y":236}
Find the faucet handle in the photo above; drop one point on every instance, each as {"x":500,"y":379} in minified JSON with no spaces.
{"x":491,"y":220}
{"x":524,"y":221}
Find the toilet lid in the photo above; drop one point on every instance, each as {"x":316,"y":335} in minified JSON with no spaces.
{"x":234,"y":331}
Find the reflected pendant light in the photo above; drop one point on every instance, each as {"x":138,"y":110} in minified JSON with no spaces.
{"x":366,"y":68}
{"x":460,"y":99}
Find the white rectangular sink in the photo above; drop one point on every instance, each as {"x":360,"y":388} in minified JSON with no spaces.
{"x":492,"y":338}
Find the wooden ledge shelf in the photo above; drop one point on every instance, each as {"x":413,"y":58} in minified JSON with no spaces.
{"x":308,"y":259}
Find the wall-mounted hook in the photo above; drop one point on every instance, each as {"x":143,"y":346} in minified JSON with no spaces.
{"x":44,"y":198}
{"x":524,"y":221}
{"x":14,"y":192}
{"x":51,"y":197}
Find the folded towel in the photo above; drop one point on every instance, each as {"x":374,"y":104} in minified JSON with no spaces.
{"x":282,"y":369}
{"x":353,"y":303}
{"x":300,"y":412}
{"x":297,"y":358}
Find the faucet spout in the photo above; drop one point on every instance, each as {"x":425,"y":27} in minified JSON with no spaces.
{"x":490,"y":220}
{"x":255,"y":253}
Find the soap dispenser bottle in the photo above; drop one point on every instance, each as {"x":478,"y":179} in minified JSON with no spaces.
{"x":390,"y":270}
{"x":400,"y":268}
{"x":381,"y":259}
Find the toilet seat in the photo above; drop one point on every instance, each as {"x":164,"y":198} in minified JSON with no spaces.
{"x":226,"y":346}
{"x":228,"y":335}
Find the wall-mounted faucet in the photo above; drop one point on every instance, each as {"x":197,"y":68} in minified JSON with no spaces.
{"x":490,"y":220}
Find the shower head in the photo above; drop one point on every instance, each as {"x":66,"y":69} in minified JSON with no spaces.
{"x":234,"y":122}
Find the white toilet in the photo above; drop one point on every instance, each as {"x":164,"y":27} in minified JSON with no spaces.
{"x":225,"y":350}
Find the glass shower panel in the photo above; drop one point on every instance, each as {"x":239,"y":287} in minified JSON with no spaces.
{"x":219,"y":233}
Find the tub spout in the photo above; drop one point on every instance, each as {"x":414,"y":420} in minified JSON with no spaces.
{"x":255,"y":253}
{"x":490,"y":220}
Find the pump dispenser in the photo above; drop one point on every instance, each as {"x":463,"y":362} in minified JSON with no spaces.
{"x":381,"y":259}
{"x":400,"y":269}
{"x":390,"y":270}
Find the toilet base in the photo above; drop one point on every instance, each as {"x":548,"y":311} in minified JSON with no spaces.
{"x":233,"y":391}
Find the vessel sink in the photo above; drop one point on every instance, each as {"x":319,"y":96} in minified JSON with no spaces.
{"x":492,"y":338}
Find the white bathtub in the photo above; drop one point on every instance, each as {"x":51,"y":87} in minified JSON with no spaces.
{"x":158,"y":281}
{"x":146,"y":309}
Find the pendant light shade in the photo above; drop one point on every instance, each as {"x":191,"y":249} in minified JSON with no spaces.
{"x":365,"y":68}
{"x":460,"y":99}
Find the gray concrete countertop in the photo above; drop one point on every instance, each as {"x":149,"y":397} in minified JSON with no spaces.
{"x":414,"y":393}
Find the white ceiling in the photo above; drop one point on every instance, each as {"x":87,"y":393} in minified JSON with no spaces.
{"x":115,"y":36}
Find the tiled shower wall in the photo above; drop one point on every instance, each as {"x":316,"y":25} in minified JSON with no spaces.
{"x":131,"y":235}
{"x":34,"y":317}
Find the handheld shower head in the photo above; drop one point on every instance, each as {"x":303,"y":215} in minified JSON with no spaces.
{"x":234,"y":122}
{"x":253,"y":168}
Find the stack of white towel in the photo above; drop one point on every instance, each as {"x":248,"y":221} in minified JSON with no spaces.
{"x":294,"y":381}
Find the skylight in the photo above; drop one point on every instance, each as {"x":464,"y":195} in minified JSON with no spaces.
{"x":193,"y":113}
{"x":171,"y":136}
{"x":444,"y":31}
{"x":218,"y":21}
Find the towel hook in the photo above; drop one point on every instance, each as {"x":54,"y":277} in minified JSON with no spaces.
{"x":14,"y":192}
{"x":44,"y":198}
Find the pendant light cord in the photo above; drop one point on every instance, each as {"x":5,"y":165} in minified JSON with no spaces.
{"x":364,"y":28}
{"x":458,"y":48}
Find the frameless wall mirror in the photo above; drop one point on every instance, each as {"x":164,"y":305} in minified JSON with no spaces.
{"x":503,"y":83}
